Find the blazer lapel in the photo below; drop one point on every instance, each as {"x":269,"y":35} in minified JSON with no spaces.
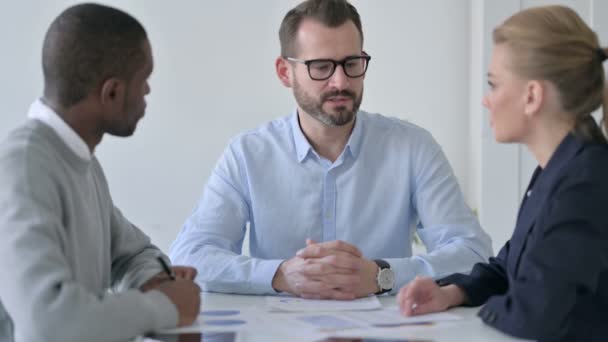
{"x":540,"y":188}
{"x":531,"y":205}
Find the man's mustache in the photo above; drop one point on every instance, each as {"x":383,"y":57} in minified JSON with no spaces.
{"x":345,"y":93}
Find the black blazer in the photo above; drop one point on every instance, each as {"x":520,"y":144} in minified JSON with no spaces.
{"x":550,"y":280}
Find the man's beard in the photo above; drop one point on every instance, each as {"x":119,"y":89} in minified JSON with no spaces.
{"x":342,"y":114}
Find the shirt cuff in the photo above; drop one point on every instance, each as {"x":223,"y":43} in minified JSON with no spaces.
{"x":165,"y":312}
{"x":261,"y":278}
{"x":404,"y":272}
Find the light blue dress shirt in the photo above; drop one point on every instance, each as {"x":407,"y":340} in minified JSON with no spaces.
{"x":391,"y":179}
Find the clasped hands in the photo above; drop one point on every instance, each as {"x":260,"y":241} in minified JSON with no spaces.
{"x":327,"y":270}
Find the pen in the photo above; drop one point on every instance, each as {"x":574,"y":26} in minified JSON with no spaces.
{"x":166,"y":267}
{"x":400,"y":324}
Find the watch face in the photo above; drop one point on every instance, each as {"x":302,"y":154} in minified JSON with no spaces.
{"x":386,"y":279}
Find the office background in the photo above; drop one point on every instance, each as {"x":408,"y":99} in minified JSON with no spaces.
{"x":214,"y":77}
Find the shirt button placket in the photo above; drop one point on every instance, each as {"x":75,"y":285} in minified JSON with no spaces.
{"x":329,"y":207}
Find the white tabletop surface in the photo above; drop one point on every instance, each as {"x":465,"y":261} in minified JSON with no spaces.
{"x":263,"y":325}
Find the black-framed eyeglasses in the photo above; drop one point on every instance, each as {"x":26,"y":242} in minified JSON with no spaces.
{"x":322,"y":69}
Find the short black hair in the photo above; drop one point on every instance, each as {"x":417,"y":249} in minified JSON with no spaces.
{"x":331,"y":13}
{"x":86,"y":44}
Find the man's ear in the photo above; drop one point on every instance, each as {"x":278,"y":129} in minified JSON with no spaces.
{"x":534,"y":97}
{"x":112,"y":91}
{"x":283,"y":69}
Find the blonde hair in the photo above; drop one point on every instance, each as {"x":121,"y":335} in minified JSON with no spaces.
{"x":553,"y":43}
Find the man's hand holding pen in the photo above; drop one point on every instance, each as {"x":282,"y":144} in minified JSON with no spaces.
{"x":177,"y":283}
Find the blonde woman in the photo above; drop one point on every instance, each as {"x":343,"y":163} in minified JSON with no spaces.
{"x":550,"y":281}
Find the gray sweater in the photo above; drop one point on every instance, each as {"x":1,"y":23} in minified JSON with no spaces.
{"x":63,"y":244}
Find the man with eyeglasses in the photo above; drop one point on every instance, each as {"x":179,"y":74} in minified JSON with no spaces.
{"x":332,"y":194}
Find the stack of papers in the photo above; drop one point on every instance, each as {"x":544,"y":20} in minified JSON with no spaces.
{"x":295,"y":304}
{"x":311,"y":319}
{"x":391,"y":317}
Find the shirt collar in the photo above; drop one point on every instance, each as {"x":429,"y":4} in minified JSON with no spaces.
{"x":41,"y":112}
{"x":301,"y":143}
{"x":353,"y":146}
{"x":356,"y":136}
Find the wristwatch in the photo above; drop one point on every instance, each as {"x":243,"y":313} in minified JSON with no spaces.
{"x":385,"y":277}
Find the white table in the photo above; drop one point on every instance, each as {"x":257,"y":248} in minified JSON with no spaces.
{"x":272,"y":326}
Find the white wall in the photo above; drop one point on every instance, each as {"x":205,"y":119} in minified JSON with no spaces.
{"x":494,"y":166}
{"x":214,"y":77}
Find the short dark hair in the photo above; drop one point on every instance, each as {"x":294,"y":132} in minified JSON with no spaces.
{"x":86,"y":44}
{"x":331,"y":13}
